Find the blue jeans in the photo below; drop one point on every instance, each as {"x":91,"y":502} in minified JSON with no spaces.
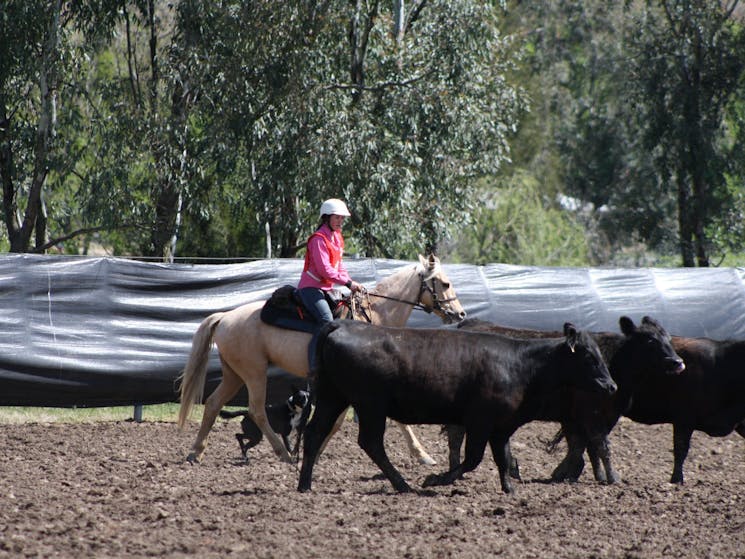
{"x":316,"y":304}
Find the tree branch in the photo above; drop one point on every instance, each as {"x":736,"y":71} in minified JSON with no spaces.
{"x":77,"y":232}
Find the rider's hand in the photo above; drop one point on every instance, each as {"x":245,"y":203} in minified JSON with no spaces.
{"x":354,"y":287}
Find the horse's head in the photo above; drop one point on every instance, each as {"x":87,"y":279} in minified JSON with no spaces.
{"x":436,"y":294}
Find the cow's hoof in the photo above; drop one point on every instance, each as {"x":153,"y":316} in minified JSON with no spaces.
{"x":431,"y":480}
{"x":515,"y":470}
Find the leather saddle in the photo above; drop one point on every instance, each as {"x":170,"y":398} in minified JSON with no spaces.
{"x":285,"y":309}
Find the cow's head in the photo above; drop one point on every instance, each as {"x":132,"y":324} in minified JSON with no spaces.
{"x":589,"y":370}
{"x":651,"y":347}
{"x":436,"y":294}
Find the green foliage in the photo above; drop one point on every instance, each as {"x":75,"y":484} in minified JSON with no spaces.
{"x":211,"y":123}
{"x":516,"y":224}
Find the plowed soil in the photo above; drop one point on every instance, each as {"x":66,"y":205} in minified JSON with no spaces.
{"x":125,"y":490}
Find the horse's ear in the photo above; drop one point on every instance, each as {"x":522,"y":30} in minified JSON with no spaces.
{"x":422,"y":261}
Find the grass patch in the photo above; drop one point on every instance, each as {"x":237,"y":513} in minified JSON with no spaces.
{"x":159,"y":412}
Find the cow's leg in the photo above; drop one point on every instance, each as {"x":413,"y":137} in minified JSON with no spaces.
{"x":740,"y":428}
{"x":594,"y":452}
{"x":337,"y":425}
{"x":456,"y":434}
{"x":475,"y":446}
{"x":316,"y":433}
{"x":415,"y":447}
{"x":370,"y":439}
{"x":570,"y":468}
{"x":600,"y":447}
{"x":500,"y":448}
{"x":681,"y":444}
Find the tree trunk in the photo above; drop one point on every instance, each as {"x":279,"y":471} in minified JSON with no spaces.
{"x":684,"y":223}
{"x":20,"y":236}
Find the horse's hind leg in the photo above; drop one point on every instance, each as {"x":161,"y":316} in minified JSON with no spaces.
{"x":256,"y":385}
{"x":415,"y":447}
{"x":225,"y":391}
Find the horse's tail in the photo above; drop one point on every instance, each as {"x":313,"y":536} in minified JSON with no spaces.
{"x":231,"y":414}
{"x":191,"y":380}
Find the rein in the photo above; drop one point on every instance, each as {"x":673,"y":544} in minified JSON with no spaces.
{"x":416,"y":304}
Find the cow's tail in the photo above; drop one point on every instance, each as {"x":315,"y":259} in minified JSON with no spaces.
{"x":231,"y":414}
{"x":191,"y":381}
{"x":553,"y":444}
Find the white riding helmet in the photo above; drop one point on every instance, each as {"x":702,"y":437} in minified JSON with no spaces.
{"x":334,"y":206}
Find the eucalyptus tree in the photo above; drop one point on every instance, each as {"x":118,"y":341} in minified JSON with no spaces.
{"x":145,"y":140}
{"x":688,"y":63}
{"x":33,"y":42}
{"x":395,"y":108}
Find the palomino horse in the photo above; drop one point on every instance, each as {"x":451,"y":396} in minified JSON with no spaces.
{"x":247,"y":346}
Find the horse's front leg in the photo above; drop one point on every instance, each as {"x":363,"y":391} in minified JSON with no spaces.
{"x":415,"y":447}
{"x":225,"y":391}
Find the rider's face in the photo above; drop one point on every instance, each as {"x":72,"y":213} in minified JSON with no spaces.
{"x":336,"y":222}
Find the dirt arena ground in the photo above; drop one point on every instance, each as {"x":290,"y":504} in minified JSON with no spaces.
{"x":124,"y":490}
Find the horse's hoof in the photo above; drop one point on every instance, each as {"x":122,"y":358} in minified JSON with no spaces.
{"x":427,"y":460}
{"x":193,"y":458}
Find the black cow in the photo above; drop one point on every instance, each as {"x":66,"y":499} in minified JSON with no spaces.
{"x":708,"y":397}
{"x":639,"y":353}
{"x":490,"y":384}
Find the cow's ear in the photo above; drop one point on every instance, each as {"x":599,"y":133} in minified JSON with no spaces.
{"x":627,"y":325}
{"x":571,"y":334}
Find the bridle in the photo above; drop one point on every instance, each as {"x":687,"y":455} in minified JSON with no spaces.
{"x":424,"y":287}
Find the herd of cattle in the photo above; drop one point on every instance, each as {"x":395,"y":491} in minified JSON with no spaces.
{"x":484,"y":381}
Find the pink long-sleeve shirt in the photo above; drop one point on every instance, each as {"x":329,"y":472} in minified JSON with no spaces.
{"x":321,"y":274}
